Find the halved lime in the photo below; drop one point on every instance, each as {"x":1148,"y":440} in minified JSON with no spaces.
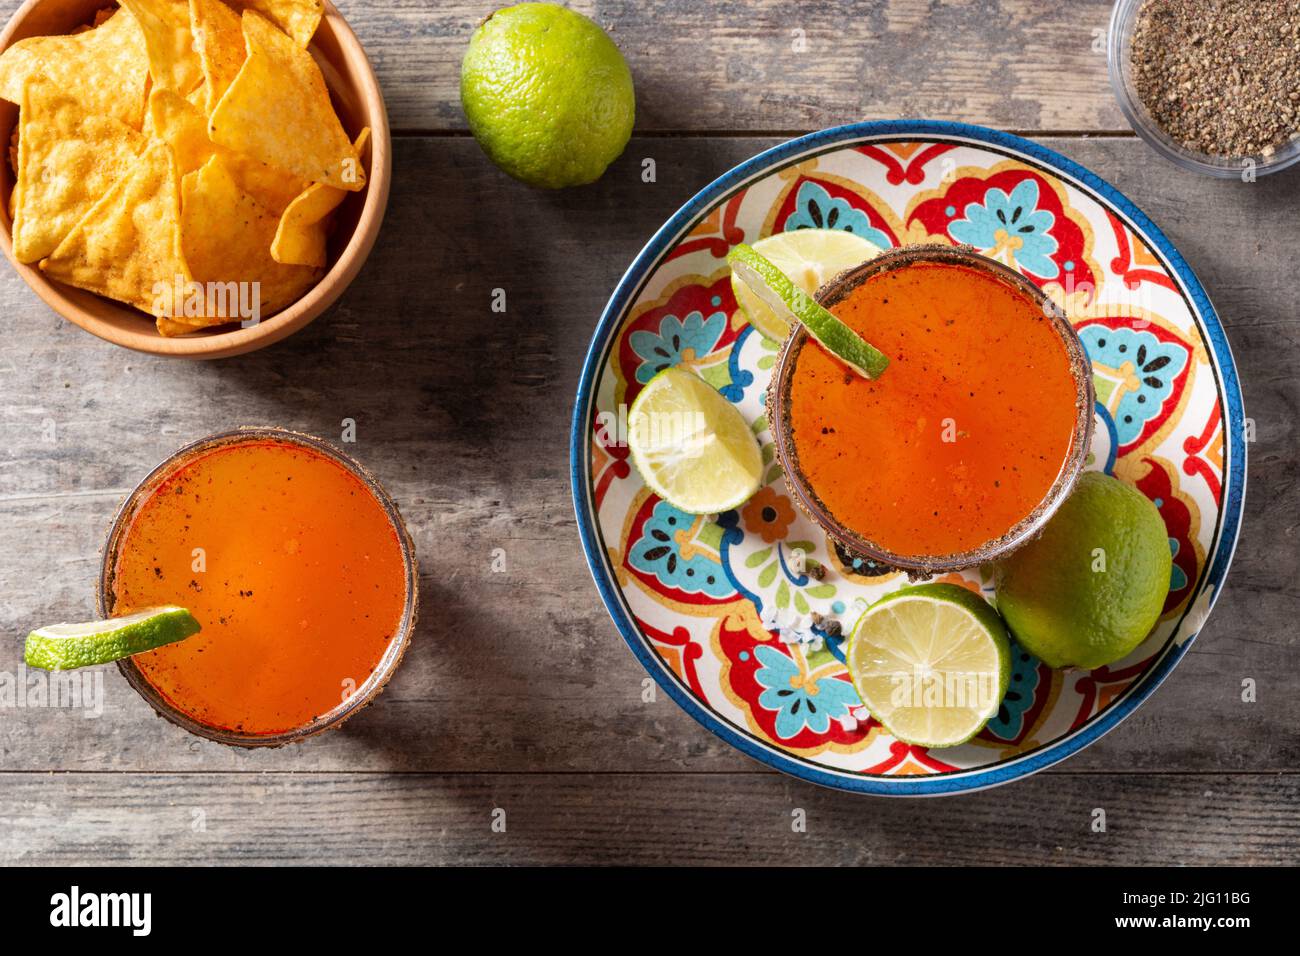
{"x":931,"y":663}
{"x":61,"y":647}
{"x":692,"y":447}
{"x":785,"y":299}
{"x":809,"y":257}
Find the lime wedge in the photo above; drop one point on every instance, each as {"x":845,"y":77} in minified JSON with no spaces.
{"x":808,"y":257}
{"x":775,"y":289}
{"x":692,"y":447}
{"x":931,"y":663}
{"x":61,"y":647}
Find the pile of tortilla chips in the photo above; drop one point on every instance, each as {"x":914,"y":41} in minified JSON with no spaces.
{"x":181,"y":156}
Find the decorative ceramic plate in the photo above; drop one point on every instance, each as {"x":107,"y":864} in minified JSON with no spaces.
{"x":691,"y":595}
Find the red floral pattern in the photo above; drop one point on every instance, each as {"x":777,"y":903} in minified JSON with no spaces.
{"x":910,"y":192}
{"x":936,"y":214}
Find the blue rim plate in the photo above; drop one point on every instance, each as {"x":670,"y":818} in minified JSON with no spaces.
{"x":1216,"y":559}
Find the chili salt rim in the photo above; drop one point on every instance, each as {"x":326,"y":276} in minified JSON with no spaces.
{"x":858,"y":545}
{"x":378,"y":679}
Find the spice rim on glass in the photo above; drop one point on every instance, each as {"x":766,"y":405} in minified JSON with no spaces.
{"x":885,"y":453}
{"x":335,"y":603}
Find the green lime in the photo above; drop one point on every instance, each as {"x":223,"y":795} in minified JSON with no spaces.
{"x":547,"y":94}
{"x":809,"y":257}
{"x":931,"y":663}
{"x":1088,"y":590}
{"x":787,"y":302}
{"x":692,"y":447}
{"x":61,"y":647}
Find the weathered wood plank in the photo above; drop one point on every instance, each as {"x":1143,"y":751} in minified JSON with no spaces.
{"x":706,"y":65}
{"x":464,"y":415}
{"x":352,"y":819}
{"x":740,"y":65}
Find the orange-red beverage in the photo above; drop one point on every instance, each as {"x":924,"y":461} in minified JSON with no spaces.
{"x":966,"y":432}
{"x":291,"y":563}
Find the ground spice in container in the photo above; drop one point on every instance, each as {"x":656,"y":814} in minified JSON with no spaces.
{"x":1221,"y":77}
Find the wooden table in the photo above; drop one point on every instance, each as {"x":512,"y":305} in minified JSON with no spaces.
{"x":517,"y":693}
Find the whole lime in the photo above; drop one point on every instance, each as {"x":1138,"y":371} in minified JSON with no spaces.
{"x":1088,"y":590}
{"x":547,"y":94}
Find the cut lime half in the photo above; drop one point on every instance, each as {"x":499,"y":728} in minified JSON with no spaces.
{"x":786,"y":300}
{"x":692,"y":447}
{"x":808,"y":257}
{"x":931,"y":663}
{"x":61,"y":647}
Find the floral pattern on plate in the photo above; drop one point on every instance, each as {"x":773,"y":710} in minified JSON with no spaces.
{"x":711,"y":597}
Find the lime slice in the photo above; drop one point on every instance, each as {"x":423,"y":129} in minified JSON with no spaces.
{"x":809,"y":257}
{"x":931,"y":663}
{"x":61,"y":647}
{"x":775,"y":289}
{"x":692,"y":447}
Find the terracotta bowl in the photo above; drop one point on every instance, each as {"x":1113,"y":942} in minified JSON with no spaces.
{"x":359,"y":102}
{"x":859,"y":545}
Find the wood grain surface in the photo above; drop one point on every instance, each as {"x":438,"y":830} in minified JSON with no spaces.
{"x":517,"y":691}
{"x":638,"y":818}
{"x":769,"y":65}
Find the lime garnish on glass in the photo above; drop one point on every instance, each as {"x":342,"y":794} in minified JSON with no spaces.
{"x":61,"y":647}
{"x":787,"y":301}
{"x":807,"y":257}
{"x":931,"y":663}
{"x":692,"y":447}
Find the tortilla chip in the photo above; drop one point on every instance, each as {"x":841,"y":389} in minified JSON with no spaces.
{"x":105,"y":69}
{"x":173,"y":63}
{"x":127,"y":246}
{"x":13,"y":165}
{"x":68,"y":159}
{"x":278,"y":111}
{"x":298,"y":18}
{"x":300,"y":237}
{"x":272,"y":187}
{"x":226,"y":238}
{"x":170,"y":328}
{"x":182,"y":125}
{"x":220,"y":41}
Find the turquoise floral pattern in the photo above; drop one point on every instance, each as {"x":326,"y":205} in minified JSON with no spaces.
{"x":659,"y":551}
{"x":1177,"y":576}
{"x":747,"y":612}
{"x":815,"y":208}
{"x":679,"y":341}
{"x":1136,"y":373}
{"x":1009,"y":722}
{"x":800,"y":699}
{"x":1011,"y":228}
